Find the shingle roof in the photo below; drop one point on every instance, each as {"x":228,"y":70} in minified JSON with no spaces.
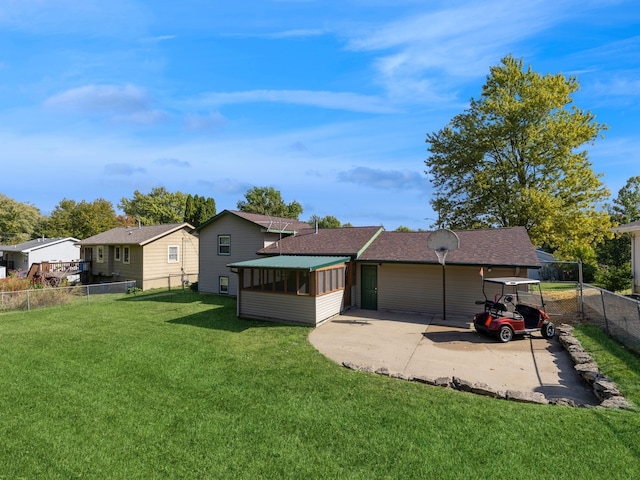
{"x":134,"y":235}
{"x":267,"y":222}
{"x":310,"y":263}
{"x":500,"y":246}
{"x":35,"y":244}
{"x":347,"y":241}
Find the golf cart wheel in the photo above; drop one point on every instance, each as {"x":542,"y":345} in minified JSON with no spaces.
{"x":548,"y":330}
{"x":505,"y":334}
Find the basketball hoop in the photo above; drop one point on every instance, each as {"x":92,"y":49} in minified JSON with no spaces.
{"x":442,"y":254}
{"x":442,"y":242}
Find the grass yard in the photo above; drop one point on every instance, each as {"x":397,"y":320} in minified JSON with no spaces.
{"x":174,"y":386}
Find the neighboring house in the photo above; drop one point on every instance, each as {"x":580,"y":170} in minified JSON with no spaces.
{"x":23,"y":255}
{"x":633,"y":229}
{"x":155,"y":256}
{"x":312,"y":276}
{"x":548,"y":271}
{"x":233,"y":236}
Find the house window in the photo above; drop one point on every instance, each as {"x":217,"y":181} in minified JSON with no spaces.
{"x":125,"y":255}
{"x":293,"y":282}
{"x":116,"y":254}
{"x":100,"y":258}
{"x":223,"y":285}
{"x":172,"y":254}
{"x":224,"y":244}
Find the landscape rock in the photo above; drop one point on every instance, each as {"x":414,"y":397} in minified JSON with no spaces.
{"x":605,"y":389}
{"x":615,"y":402}
{"x":581,"y":357}
{"x":527,"y":397}
{"x":474,"y":387}
{"x":589,"y":371}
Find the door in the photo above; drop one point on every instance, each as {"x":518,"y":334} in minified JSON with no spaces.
{"x":369,"y":287}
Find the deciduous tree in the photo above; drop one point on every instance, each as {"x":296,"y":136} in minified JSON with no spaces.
{"x":268,"y":201}
{"x":324,"y":222}
{"x":80,"y":219}
{"x":156,"y":207}
{"x":516,"y":157}
{"x":18,"y":221}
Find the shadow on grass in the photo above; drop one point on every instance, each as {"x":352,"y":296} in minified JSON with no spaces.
{"x":220,"y":316}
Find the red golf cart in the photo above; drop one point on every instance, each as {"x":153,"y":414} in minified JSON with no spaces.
{"x":516,"y":308}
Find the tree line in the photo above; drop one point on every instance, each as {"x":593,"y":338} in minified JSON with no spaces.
{"x":20,"y":221}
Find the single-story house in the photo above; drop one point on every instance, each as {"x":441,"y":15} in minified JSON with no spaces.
{"x":154,"y":256}
{"x":23,"y":255}
{"x":548,"y":271}
{"x":311,"y":276}
{"x":232,"y":236}
{"x":633,"y":229}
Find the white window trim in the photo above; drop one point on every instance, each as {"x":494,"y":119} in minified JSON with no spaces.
{"x":117,"y":250}
{"x":100,"y":254}
{"x":126,"y":257}
{"x":169,"y":259}
{"x":220,"y":285}
{"x":228,"y":245}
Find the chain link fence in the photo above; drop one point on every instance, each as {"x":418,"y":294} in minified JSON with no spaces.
{"x":569,"y":300}
{"x":26,"y":300}
{"x":618,"y":315}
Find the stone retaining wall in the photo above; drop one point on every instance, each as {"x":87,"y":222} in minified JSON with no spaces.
{"x":604,"y":389}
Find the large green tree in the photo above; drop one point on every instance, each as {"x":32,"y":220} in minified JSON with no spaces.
{"x":199,"y":209}
{"x":157,"y":207}
{"x":324,"y":222}
{"x":516,"y":157}
{"x":268,"y":201}
{"x":80,"y":219}
{"x":19,"y":221}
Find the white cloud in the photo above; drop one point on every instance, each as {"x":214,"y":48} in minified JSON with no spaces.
{"x":332,"y":100}
{"x":128,"y":102}
{"x":385,"y":179}
{"x":459,"y":42}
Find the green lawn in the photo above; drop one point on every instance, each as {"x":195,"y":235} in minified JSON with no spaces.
{"x":174,"y":386}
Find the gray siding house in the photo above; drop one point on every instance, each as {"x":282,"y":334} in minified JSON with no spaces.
{"x":233,"y":236}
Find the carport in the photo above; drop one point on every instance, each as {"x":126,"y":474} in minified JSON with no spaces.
{"x":427,"y":346}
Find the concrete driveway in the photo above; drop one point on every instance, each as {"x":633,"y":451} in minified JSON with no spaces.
{"x":418,"y":345}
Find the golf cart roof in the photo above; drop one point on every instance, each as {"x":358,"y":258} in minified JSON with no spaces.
{"x":512,"y":281}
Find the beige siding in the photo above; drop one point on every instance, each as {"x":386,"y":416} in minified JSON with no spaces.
{"x":418,"y":288}
{"x":156,"y":268}
{"x":329,"y":305}
{"x":246,"y":240}
{"x":273,"y":306}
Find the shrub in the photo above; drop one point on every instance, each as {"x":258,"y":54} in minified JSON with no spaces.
{"x":614,"y":279}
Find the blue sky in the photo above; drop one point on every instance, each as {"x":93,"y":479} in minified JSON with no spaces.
{"x":327,"y":101}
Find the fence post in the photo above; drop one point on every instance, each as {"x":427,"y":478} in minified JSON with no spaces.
{"x":604,"y":312}
{"x":581,"y":299}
